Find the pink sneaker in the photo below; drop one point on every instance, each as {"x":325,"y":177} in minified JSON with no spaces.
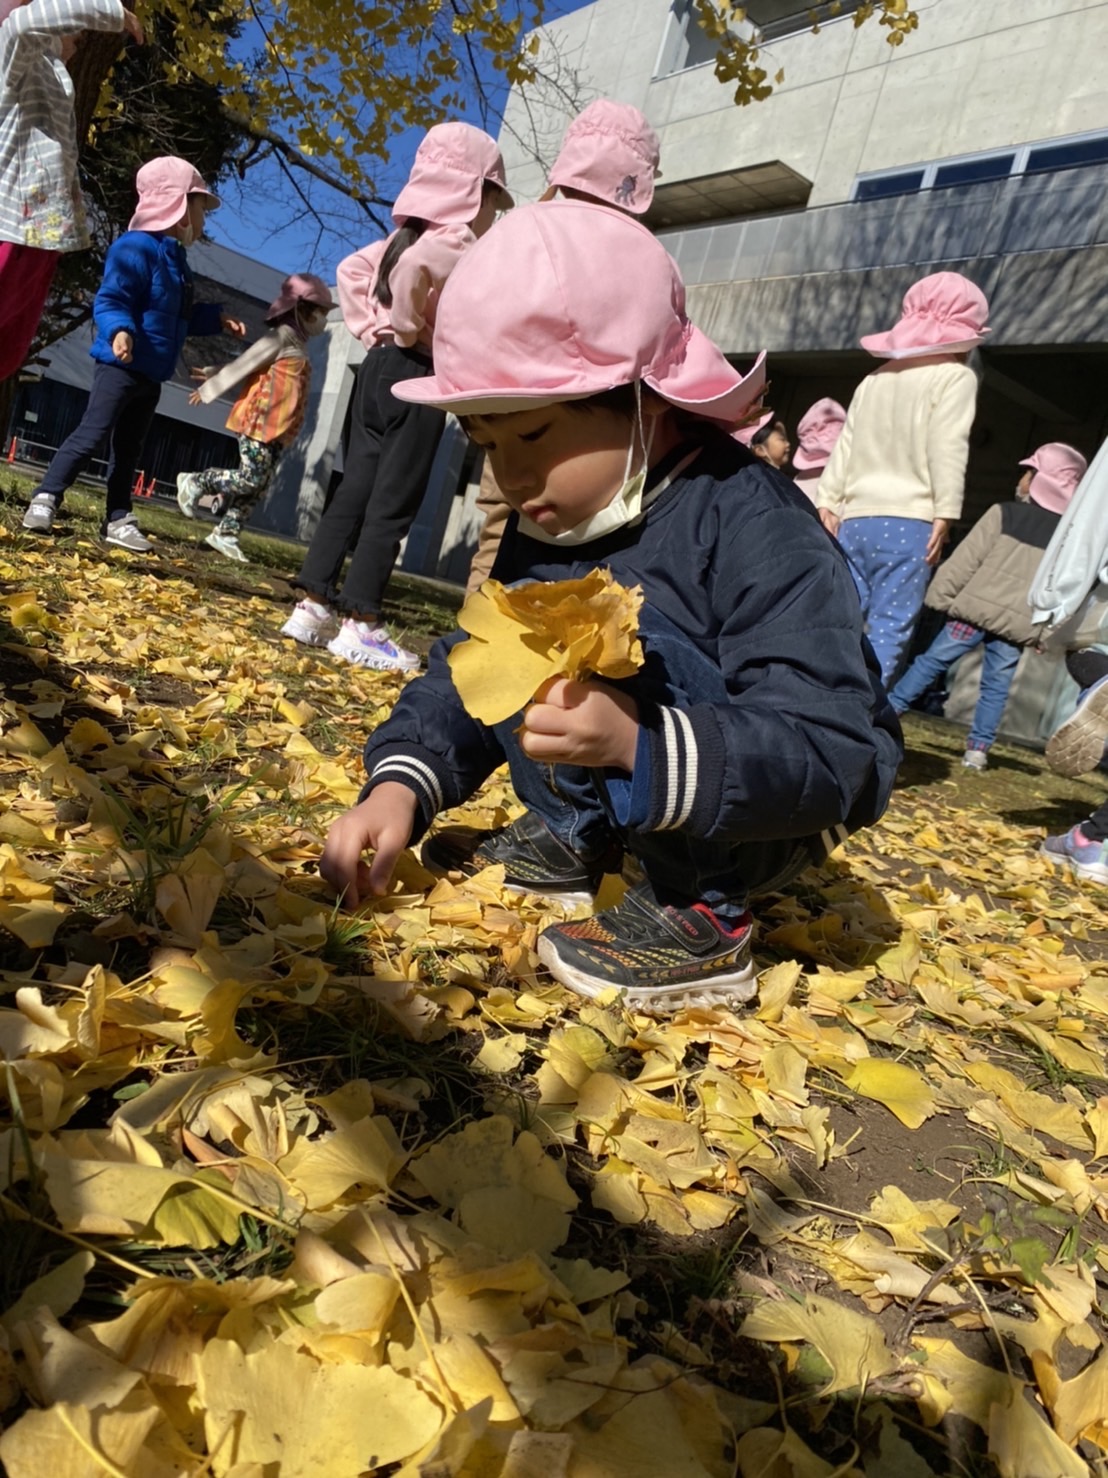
{"x":371,"y":646}
{"x":311,"y":623}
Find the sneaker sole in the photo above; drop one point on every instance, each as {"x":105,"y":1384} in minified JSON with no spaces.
{"x":37,"y":528}
{"x":130,"y":548}
{"x":1077,"y":746}
{"x":362,"y":659}
{"x":308,"y":636}
{"x":735,"y":989}
{"x":237,"y":555}
{"x":185,"y":501}
{"x":1088,"y":872}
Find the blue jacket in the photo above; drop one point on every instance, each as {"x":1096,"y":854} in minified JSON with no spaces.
{"x":735,"y":557}
{"x":147,"y":290}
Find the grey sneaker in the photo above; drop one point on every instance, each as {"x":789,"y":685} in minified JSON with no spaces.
{"x":189,"y":493}
{"x":975,"y":759}
{"x":39,"y":517}
{"x":227,"y":545}
{"x":125,"y":533}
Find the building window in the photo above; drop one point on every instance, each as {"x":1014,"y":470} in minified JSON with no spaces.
{"x":686,"y":43}
{"x":878,"y":186}
{"x":971,"y":169}
{"x":1064,"y":155}
{"x":774,"y":20}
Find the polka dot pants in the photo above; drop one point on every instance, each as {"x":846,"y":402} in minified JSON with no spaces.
{"x":886,"y":557}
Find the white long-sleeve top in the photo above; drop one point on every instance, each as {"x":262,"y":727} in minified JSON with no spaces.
{"x":416,"y":281}
{"x":40,"y":200}
{"x":903,"y":450}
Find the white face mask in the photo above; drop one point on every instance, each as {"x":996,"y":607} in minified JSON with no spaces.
{"x":185,"y":234}
{"x":625,"y":508}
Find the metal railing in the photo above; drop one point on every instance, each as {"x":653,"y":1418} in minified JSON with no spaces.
{"x":993,"y":218}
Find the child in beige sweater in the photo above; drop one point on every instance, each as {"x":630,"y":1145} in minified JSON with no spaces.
{"x":895,"y":480}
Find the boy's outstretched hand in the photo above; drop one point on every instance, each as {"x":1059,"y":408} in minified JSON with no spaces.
{"x":233,"y":326}
{"x":382,"y":823}
{"x":123,"y":346}
{"x":588,"y":723}
{"x":133,"y":27}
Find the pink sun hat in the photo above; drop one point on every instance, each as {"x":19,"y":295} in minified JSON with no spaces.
{"x":819,"y":429}
{"x":746,"y":434}
{"x":945,"y":313}
{"x":611,"y":152}
{"x":562,"y":301}
{"x":451,"y":165}
{"x":1058,"y":469}
{"x":300,"y":287}
{"x":164,"y":186}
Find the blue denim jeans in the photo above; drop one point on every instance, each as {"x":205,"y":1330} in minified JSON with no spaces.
{"x":998,"y":669}
{"x":582,"y":807}
{"x":886,"y":559}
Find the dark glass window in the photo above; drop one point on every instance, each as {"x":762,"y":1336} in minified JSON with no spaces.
{"x":1064,"y":156}
{"x":968,"y":171}
{"x":905,"y":183}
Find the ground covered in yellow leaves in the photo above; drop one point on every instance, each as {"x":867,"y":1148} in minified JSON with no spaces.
{"x":290,"y":1194}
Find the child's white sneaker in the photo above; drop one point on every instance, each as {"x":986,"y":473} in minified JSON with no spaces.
{"x":189,"y":493}
{"x":311,"y":623}
{"x":227,"y":545}
{"x":372,"y":646}
{"x":975,"y":759}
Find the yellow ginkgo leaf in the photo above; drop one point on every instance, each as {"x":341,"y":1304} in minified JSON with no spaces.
{"x":851,"y":1343}
{"x":902,"y":1090}
{"x":519,"y":638}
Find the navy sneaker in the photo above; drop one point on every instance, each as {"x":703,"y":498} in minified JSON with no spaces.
{"x":534,"y":860}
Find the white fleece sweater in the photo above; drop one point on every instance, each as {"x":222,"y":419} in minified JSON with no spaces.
{"x":903,"y":450}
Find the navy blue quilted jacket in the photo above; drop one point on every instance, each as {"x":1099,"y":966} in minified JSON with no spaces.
{"x":734,"y":556}
{"x":147,"y":290}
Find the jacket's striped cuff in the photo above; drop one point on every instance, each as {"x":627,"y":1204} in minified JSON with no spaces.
{"x":685,"y":769}
{"x":422,"y":773}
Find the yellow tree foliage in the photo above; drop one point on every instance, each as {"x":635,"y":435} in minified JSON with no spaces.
{"x":738,"y":57}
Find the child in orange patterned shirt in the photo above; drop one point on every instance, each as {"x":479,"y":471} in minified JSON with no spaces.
{"x":268,"y":414}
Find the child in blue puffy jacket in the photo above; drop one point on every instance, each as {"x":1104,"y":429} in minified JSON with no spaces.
{"x":144,"y":311}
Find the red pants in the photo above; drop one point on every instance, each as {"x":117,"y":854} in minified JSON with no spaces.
{"x":26,"y":273}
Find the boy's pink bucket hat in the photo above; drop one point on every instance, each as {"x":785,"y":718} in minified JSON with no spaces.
{"x":819,"y":429}
{"x":164,"y":186}
{"x":451,"y":165}
{"x":611,"y":152}
{"x":301,"y":287}
{"x":565,"y":300}
{"x":945,"y":313}
{"x":1058,"y":469}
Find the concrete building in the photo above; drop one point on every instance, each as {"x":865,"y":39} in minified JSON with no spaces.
{"x":979,"y":145}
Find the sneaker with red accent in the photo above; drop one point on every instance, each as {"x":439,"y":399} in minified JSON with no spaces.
{"x":660,"y":957}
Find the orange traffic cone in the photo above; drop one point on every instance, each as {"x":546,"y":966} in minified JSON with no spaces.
{"x":151,"y":485}
{"x":11,"y":450}
{"x":136,"y":491}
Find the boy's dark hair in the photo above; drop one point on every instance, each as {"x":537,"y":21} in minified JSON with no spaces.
{"x":407,"y":235}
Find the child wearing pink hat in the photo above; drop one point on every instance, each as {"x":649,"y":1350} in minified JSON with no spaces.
{"x":767,"y":439}
{"x":42,"y":214}
{"x":268,"y":414}
{"x":609,"y":156}
{"x":388,"y":293}
{"x":819,"y":429}
{"x":983,"y":588}
{"x":756,"y":734}
{"x":895,"y":480}
{"x":143,"y":313}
